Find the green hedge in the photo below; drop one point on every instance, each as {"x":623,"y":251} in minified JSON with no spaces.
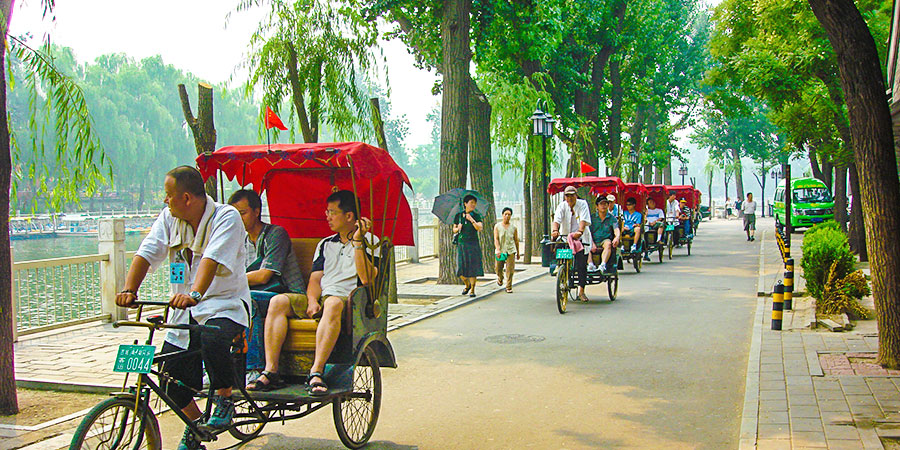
{"x":823,"y":245}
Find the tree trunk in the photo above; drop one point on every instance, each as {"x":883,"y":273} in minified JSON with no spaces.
{"x":8,"y":401}
{"x":738,"y":174}
{"x":870,"y":128}
{"x":297,"y":95}
{"x":857,"y":229}
{"x":481,"y":172}
{"x":650,"y":145}
{"x":537,"y":207}
{"x":615,"y":112}
{"x":828,"y":173}
{"x":840,"y":197}
{"x":454,"y":118}
{"x":667,"y":172}
{"x":709,"y":189}
{"x":202,"y":127}
{"x":814,"y":164}
{"x":658,"y":177}
{"x":637,"y":133}
{"x":527,"y":212}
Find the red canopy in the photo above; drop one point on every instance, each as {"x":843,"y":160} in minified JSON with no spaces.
{"x":297,"y":178}
{"x":684,"y":192}
{"x":598,"y":185}
{"x":658,"y":193}
{"x":638,"y":191}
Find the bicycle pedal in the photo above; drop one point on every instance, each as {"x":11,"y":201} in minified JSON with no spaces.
{"x":209,"y":433}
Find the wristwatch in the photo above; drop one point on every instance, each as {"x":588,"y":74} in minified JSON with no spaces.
{"x":196,"y":296}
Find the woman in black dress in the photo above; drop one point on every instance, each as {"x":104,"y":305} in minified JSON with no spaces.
{"x":468,"y":257}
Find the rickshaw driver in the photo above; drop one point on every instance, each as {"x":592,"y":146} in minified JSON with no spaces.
{"x":339,"y":266}
{"x":655,"y":221}
{"x":673,"y":210}
{"x":204,"y":241}
{"x":605,"y":230}
{"x":632,"y":221}
{"x":572,"y":217}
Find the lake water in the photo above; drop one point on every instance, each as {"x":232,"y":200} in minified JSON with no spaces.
{"x":58,"y":247}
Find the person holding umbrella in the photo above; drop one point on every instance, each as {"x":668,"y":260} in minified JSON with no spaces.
{"x":467,"y":224}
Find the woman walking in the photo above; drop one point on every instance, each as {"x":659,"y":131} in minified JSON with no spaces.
{"x":749,"y":210}
{"x":468,"y":256}
{"x":506,"y":249}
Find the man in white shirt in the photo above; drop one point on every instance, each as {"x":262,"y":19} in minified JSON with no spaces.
{"x":749,"y":210}
{"x":673,"y":208}
{"x":656,"y":220}
{"x":204,"y":242}
{"x":572,"y":218}
{"x":340,"y":265}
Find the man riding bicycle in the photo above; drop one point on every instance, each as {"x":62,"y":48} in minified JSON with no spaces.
{"x":572,"y":218}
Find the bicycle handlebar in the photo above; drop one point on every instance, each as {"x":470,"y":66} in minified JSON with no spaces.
{"x":160,"y":325}
{"x":151,"y":302}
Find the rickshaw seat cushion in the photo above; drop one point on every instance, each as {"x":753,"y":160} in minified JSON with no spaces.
{"x":304,"y":250}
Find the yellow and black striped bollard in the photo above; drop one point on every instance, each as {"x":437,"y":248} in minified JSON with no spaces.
{"x":789,"y":285}
{"x":777,"y":306}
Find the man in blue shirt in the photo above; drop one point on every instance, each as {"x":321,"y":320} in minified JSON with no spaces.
{"x":631,"y":223}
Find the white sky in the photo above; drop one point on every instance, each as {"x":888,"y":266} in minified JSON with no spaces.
{"x":192,"y":35}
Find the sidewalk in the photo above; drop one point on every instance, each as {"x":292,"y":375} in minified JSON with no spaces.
{"x":80,"y":358}
{"x":811,"y":388}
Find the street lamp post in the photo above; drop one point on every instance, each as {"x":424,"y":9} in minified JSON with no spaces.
{"x":633,"y":156}
{"x":543,"y":126}
{"x":683,"y":171}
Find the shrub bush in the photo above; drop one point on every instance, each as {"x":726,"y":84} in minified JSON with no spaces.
{"x":841,"y":295}
{"x":823,"y":246}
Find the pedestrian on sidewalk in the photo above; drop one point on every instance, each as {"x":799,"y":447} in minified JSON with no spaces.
{"x":468,"y":253}
{"x":749,"y":210}
{"x":506,"y":249}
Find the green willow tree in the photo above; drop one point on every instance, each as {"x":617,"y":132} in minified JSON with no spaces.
{"x":316,"y":55}
{"x":76,"y":153}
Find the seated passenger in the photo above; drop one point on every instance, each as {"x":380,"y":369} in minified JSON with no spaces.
{"x":340,"y":265}
{"x":614,"y":209}
{"x":655,"y":221}
{"x":684,"y":215}
{"x":632,"y":220}
{"x":572,"y":218}
{"x":271,"y":268}
{"x":604,"y":232}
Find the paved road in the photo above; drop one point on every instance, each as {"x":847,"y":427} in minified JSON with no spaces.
{"x":662,"y":367}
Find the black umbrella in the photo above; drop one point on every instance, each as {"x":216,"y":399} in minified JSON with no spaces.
{"x":449,"y":204}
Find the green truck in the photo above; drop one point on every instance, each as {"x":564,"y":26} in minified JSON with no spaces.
{"x":811,"y":202}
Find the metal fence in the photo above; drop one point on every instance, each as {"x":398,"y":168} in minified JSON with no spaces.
{"x":50,"y":291}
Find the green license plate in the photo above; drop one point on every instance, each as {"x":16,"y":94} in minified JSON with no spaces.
{"x":564,"y":253}
{"x":134,"y":358}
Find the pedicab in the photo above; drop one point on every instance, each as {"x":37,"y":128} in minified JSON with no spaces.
{"x":627,"y":252}
{"x":676,"y":234}
{"x":652,"y":242}
{"x":697,"y":214}
{"x":352,"y":373}
{"x":566,"y":277}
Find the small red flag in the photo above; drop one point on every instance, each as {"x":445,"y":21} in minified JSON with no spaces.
{"x":272,"y":120}
{"x":585,"y":168}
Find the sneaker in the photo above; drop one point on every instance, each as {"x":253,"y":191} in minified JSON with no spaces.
{"x":591,"y":267}
{"x":646,"y":258}
{"x":603,"y":267}
{"x":222,"y":415}
{"x":633,"y":248}
{"x":189,"y":441}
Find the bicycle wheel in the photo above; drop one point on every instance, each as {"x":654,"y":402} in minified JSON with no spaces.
{"x":240,"y":429}
{"x":112,"y":425}
{"x":612,"y":287}
{"x":689,"y":248}
{"x":636,"y":261}
{"x":660,"y":252}
{"x":562,"y":288}
{"x":356,"y":413}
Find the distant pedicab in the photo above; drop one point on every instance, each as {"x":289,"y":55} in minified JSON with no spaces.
{"x":566,"y":277}
{"x":653,"y":242}
{"x":631,"y":250}
{"x":680,"y":232}
{"x":696,"y":210}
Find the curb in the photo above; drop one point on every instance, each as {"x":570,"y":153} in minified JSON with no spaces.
{"x":761,"y":281}
{"x":750,"y":411}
